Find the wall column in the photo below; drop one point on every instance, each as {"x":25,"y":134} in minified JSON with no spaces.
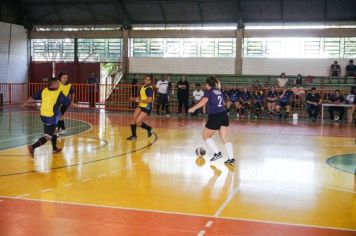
{"x":239,"y":42}
{"x":125,"y":51}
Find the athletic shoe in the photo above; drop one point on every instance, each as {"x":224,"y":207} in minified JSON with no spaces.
{"x":57,"y":150}
{"x":62,"y":131}
{"x":132,"y":138}
{"x":31,"y":150}
{"x":230,"y":162}
{"x":216,"y":156}
{"x":149,"y":132}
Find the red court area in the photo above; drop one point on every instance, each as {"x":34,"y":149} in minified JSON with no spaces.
{"x":29,"y":217}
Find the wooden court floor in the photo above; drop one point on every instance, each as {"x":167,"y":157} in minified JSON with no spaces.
{"x":290,"y":179}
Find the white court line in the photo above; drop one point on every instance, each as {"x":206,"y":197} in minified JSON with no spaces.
{"x":227,"y":201}
{"x":115,"y":171}
{"x":102,"y":175}
{"x":180,"y":214}
{"x":201,"y":233}
{"x":210,"y":223}
{"x":336,"y":188}
{"x":47,"y":190}
{"x":67,"y":185}
{"x":86,"y":180}
{"x":23,"y":195}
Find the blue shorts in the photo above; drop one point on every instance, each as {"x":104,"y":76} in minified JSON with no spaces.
{"x":283,"y":104}
{"x":145,"y":110}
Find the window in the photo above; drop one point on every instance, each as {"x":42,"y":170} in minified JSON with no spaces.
{"x":300,"y":47}
{"x":93,"y":50}
{"x":182,"y":47}
{"x":52,"y":49}
{"x":99,"y":50}
{"x":350,"y":48}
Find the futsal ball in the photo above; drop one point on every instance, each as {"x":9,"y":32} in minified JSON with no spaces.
{"x":200,"y":151}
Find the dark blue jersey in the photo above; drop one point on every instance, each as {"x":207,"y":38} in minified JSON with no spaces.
{"x":245,"y":97}
{"x":288,"y":94}
{"x":233,"y":95}
{"x":215,"y":101}
{"x":271,"y":94}
{"x":259,"y":96}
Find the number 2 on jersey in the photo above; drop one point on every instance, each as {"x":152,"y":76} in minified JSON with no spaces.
{"x":220,"y":100}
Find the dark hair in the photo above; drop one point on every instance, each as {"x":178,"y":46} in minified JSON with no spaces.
{"x":197,"y":85}
{"x":149,"y":76}
{"x":52,"y":80}
{"x":211,"y":81}
{"x":337,"y":90}
{"x":351,"y":61}
{"x":313,"y":88}
{"x":61,"y":74}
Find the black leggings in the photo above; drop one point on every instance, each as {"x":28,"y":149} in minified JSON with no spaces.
{"x":183,"y":101}
{"x":162,"y":103}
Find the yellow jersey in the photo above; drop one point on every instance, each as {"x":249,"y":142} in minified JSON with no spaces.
{"x":66,"y":89}
{"x":49,"y":100}
{"x":146,"y":92}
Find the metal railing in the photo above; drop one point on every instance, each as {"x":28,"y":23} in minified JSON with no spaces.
{"x":88,"y":96}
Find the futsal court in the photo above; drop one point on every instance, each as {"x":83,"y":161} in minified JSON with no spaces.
{"x":274,"y":79}
{"x":102,"y":184}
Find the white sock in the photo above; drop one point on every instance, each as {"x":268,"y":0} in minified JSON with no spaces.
{"x":211,"y":144}
{"x":230,"y":153}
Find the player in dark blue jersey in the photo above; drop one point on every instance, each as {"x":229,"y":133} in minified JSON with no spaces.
{"x":218,"y":119}
{"x":258,"y":101}
{"x":233,"y":100}
{"x":284,"y":102}
{"x":272,"y":97}
{"x":245,"y":101}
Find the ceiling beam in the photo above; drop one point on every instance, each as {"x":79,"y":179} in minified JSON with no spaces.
{"x":162,"y":12}
{"x":325,"y":10}
{"x":239,"y":15}
{"x":126,"y":19}
{"x":283,"y":10}
{"x":91,"y":12}
{"x":57,"y":13}
{"x":201,"y":14}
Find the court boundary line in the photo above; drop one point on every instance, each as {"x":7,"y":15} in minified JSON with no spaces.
{"x":178,"y":213}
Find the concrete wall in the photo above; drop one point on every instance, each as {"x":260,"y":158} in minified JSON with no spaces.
{"x":13,"y":53}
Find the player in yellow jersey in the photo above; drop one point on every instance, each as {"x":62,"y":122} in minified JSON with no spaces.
{"x":144,"y":108}
{"x":52,"y":98}
{"x":68,"y":91}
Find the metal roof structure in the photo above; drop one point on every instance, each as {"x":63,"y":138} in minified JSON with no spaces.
{"x":131,"y":12}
